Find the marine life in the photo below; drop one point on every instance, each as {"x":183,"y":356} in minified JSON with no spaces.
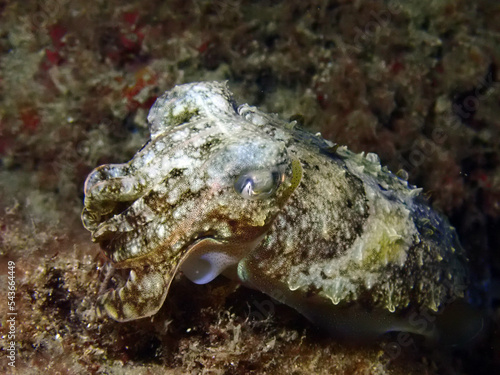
{"x":222,"y":189}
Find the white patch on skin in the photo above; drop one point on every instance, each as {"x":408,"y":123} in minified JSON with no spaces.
{"x":173,"y":196}
{"x":161,"y":231}
{"x":181,"y":135}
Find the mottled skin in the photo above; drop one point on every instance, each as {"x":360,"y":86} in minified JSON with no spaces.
{"x":341,"y":239}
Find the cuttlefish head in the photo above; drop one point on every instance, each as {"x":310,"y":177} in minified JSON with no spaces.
{"x":198,"y":197}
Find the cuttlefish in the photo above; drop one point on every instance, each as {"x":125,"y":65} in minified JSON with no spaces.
{"x":227,"y":189}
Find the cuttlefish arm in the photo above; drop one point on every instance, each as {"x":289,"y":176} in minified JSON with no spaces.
{"x":146,"y":288}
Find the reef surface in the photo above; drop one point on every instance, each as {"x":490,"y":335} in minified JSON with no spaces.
{"x":414,"y":82}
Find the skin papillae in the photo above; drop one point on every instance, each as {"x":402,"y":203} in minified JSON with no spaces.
{"x":221,"y":188}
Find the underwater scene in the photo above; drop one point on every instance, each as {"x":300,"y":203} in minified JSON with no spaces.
{"x":250,"y":187}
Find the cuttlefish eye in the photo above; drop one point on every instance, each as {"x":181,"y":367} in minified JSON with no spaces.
{"x":258,"y":184}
